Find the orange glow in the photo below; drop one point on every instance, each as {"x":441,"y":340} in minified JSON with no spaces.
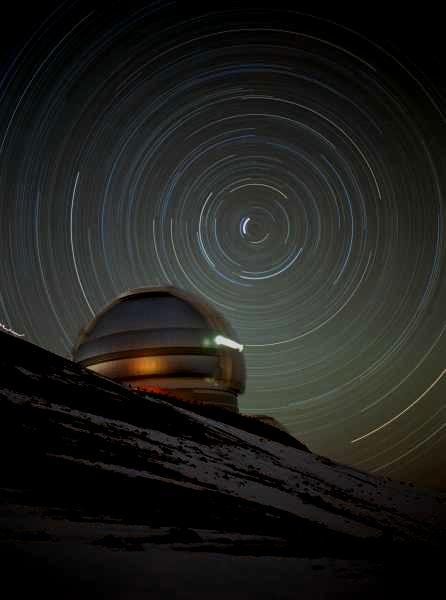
{"x":147,"y":365}
{"x":156,"y":390}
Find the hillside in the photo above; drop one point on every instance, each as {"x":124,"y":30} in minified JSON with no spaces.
{"x":92,"y":471}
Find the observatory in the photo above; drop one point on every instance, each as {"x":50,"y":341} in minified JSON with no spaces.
{"x":165,"y":340}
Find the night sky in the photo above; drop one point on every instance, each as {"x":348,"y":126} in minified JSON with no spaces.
{"x":287,"y":166}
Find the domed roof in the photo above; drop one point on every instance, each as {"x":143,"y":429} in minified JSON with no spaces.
{"x":165,"y":338}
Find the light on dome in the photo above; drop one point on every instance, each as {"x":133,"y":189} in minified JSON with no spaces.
{"x":221,"y":340}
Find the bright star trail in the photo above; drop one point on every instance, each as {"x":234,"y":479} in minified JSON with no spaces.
{"x":287,"y":167}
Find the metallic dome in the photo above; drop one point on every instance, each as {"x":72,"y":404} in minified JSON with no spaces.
{"x":165,"y":340}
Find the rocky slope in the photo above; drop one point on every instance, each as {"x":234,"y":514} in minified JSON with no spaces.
{"x":88,"y":463}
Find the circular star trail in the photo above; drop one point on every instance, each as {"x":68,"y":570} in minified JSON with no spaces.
{"x":286,"y":167}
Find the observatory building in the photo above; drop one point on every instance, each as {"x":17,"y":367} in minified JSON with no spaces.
{"x":165,"y":340}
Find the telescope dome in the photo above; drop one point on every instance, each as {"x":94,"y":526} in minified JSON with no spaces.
{"x":165,"y":340}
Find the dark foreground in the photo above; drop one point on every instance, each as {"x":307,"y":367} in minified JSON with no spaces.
{"x":109,"y":494}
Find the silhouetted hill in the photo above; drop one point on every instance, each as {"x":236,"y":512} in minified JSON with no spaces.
{"x":90,"y":469}
{"x":239,"y":420}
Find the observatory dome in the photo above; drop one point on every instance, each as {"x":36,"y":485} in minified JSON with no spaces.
{"x":168,"y":341}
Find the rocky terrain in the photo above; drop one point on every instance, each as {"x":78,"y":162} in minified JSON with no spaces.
{"x":114,"y":493}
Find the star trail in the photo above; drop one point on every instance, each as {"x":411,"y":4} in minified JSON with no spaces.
{"x":283,"y":165}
